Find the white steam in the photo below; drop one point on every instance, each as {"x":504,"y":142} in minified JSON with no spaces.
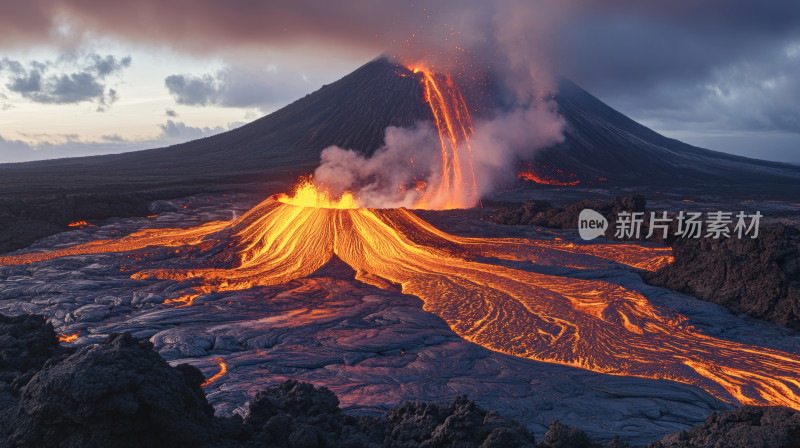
{"x":387,"y":179}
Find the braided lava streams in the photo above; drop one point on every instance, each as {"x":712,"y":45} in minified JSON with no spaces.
{"x":589,"y":324}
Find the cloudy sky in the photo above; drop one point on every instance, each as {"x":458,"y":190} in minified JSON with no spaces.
{"x":81,"y":77}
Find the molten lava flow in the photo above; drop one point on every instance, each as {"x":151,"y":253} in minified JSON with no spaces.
{"x":223,"y":368}
{"x":78,"y":224}
{"x":68,"y":337}
{"x":541,"y":174}
{"x":455,"y":185}
{"x":584,"y":323}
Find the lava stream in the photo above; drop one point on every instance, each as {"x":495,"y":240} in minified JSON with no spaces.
{"x":455,"y":186}
{"x":590,"y":324}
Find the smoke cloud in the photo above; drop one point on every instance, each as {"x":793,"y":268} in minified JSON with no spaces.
{"x":388,"y":178}
{"x":400,"y":172}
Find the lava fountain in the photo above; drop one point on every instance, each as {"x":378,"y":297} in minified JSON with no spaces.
{"x":583,"y":323}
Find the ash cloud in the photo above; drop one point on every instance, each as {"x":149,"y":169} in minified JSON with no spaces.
{"x":50,"y":82}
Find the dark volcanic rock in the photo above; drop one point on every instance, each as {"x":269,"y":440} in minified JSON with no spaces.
{"x":543,"y":214}
{"x":745,"y":427}
{"x":461,"y":424}
{"x":116,"y":394}
{"x":26,"y":342}
{"x":25,"y":220}
{"x":295,"y":414}
{"x":122,"y":393}
{"x":759,"y":277}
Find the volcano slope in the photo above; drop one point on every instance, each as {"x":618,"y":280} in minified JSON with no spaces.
{"x":41,"y":198}
{"x":269,"y":301}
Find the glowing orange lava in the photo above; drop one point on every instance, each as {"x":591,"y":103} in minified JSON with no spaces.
{"x":541,"y":174}
{"x":78,"y":224}
{"x":455,"y":186}
{"x":68,"y":338}
{"x":223,"y":368}
{"x":308,"y":194}
{"x":584,"y":323}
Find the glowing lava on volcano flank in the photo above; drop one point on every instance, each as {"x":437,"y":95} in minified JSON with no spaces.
{"x":456,"y":186}
{"x":590,"y":324}
{"x":544,"y":175}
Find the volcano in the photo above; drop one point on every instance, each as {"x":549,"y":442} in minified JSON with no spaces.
{"x":353,"y":112}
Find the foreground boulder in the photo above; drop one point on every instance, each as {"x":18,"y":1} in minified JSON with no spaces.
{"x":26,"y":343}
{"x":116,"y":394}
{"x":745,"y":427}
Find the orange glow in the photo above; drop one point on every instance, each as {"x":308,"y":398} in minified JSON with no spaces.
{"x":223,"y":368}
{"x":456,"y":186}
{"x":68,"y":338}
{"x":541,"y":174}
{"x":308,"y":194}
{"x":78,"y":224}
{"x":184,"y":300}
{"x":583,"y":323}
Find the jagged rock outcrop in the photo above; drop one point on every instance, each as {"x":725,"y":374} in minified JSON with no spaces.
{"x":119,"y":393}
{"x":26,"y":343}
{"x":756,"y":276}
{"x":544,"y":214}
{"x":745,"y":427}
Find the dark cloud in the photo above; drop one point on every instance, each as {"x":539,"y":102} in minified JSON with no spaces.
{"x":194,"y":90}
{"x":46,"y":82}
{"x":722,"y":62}
{"x":170,"y":113}
{"x":238,"y":87}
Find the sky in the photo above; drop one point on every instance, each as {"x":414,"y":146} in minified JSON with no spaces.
{"x":84,"y":77}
